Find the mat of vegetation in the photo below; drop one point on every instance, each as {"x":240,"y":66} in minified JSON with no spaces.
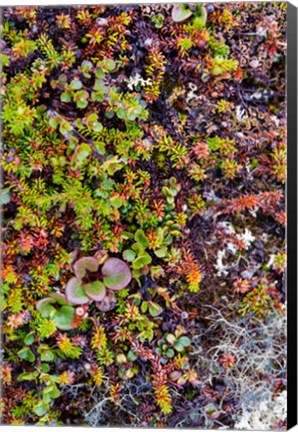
{"x":144,"y":215}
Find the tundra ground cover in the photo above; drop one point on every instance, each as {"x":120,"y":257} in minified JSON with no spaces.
{"x":144,"y":215}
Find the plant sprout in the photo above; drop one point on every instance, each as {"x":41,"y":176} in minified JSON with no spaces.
{"x":85,"y":287}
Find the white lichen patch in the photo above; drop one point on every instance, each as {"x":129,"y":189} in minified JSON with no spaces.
{"x":136,"y":80}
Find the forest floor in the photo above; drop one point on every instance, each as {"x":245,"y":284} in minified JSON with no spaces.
{"x":144,"y":215}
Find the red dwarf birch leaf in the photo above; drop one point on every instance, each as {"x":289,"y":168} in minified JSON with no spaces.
{"x":117,"y":274}
{"x":75,"y":292}
{"x":180,"y":13}
{"x":83,"y":264}
{"x":108,"y":303}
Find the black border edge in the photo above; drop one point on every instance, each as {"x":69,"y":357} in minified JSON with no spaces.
{"x":1,"y":225}
{"x":292,"y":214}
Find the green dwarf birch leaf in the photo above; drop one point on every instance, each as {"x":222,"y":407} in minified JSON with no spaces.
{"x":95,"y":290}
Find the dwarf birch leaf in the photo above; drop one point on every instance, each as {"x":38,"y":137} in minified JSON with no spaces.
{"x":141,"y":261}
{"x":29,"y":339}
{"x":75,"y":292}
{"x":83,"y":264}
{"x":76,"y":84}
{"x":129,"y":255}
{"x":109,"y":65}
{"x":178,"y":346}
{"x":144,"y":307}
{"x":59,"y":298}
{"x":41,"y":408}
{"x":26,"y":354}
{"x":117,"y":274}
{"x":64,"y":318}
{"x":180,"y":13}
{"x":65,"y":97}
{"x":169,"y":353}
{"x":155,"y":309}
{"x":47,"y":356}
{"x":161,"y":253}
{"x":45,"y":307}
{"x":185,"y":341}
{"x":170,"y":338}
{"x":95,"y":290}
{"x":4,"y":196}
{"x":141,"y":238}
{"x":108,"y":303}
{"x":26,"y":376}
